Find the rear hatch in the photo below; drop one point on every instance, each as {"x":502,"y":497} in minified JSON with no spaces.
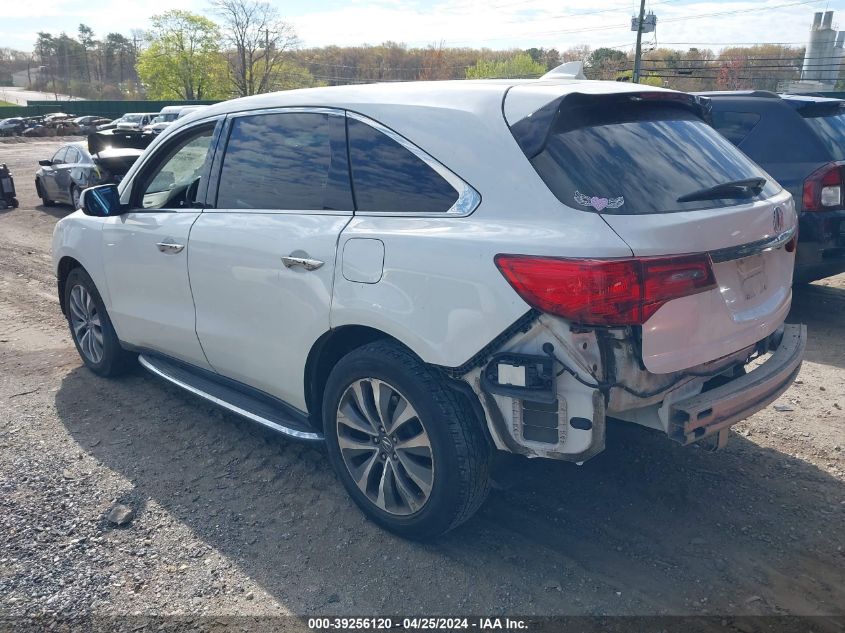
{"x":826,"y":118}
{"x":669,"y":185}
{"x":115,"y":163}
{"x":115,"y":151}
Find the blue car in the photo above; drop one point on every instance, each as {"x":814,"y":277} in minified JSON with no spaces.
{"x":800,"y":141}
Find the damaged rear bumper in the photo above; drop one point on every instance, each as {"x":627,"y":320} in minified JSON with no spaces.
{"x":700,"y":416}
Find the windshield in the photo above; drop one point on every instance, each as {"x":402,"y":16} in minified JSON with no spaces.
{"x":831,"y":131}
{"x":131,"y":118}
{"x":167,"y":117}
{"x":614,"y":154}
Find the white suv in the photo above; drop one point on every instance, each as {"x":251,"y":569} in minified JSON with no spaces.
{"x":420,"y":274}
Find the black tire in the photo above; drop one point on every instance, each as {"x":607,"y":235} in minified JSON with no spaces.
{"x":40,"y":191}
{"x":460,"y":450}
{"x":74,"y":190}
{"x":115,"y":360}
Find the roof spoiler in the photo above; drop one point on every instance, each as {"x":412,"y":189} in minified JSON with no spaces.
{"x":569,"y":70}
{"x":135,"y":139}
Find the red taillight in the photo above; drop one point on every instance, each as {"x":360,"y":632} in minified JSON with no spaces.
{"x":823,"y":189}
{"x":609,"y":291}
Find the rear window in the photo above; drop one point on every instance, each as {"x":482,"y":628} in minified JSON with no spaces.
{"x":831,"y":132}
{"x":618,"y":154}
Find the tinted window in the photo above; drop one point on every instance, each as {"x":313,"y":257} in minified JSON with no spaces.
{"x":292,"y":160}
{"x":831,"y":132}
{"x":735,"y":126}
{"x":59,"y":157}
{"x":388,"y":177}
{"x":638,"y":157}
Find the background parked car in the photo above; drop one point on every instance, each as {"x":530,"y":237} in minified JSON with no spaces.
{"x":168,"y":115}
{"x":89,"y":124}
{"x":76,"y":166}
{"x":800,"y":141}
{"x":135,"y":120}
{"x":129,"y":121}
{"x":12,"y":126}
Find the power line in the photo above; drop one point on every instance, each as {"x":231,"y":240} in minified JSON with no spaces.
{"x":617,"y":26}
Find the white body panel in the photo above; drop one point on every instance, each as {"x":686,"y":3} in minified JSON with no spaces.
{"x":256,"y":319}
{"x":79,"y":237}
{"x":151,"y":303}
{"x":441,"y":293}
{"x":744,"y":309}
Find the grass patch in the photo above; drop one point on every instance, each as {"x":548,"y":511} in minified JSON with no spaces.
{"x":3,"y":104}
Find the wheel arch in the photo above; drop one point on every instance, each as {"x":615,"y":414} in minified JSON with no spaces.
{"x":66,"y":264}
{"x":337,"y":343}
{"x":324,"y":354}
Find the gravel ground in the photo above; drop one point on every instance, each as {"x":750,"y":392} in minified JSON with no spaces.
{"x":231,"y":520}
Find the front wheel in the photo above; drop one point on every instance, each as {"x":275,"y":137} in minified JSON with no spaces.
{"x":409,"y":449}
{"x":91,"y":328}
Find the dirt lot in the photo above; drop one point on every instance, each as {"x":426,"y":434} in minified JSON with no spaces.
{"x":233,"y":520}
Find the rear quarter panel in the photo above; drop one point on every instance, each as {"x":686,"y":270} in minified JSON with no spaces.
{"x":440,"y":292}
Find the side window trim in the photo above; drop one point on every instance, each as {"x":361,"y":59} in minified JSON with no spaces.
{"x":468,"y":198}
{"x":223,"y":144}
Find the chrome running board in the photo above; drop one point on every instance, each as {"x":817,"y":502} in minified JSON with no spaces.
{"x":263,"y":409}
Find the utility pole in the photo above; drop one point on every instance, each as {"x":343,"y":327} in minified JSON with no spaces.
{"x":638,"y":56}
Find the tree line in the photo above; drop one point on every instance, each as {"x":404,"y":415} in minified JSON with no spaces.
{"x":243,"y":47}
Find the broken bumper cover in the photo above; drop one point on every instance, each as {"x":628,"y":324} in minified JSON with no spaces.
{"x":708,"y":413}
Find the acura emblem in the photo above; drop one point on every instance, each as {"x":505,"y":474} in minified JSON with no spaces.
{"x":777,"y":220}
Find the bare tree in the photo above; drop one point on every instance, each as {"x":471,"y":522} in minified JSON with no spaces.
{"x":258,"y":42}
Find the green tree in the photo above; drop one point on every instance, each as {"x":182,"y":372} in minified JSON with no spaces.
{"x":519,"y":65}
{"x":183,"y":59}
{"x":606,"y":63}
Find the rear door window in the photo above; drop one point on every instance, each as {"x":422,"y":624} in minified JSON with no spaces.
{"x":615,"y":154}
{"x":735,"y":126}
{"x":389,"y":178}
{"x":286,"y":161}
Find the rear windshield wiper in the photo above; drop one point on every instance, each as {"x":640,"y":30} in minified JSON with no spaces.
{"x":734,"y":189}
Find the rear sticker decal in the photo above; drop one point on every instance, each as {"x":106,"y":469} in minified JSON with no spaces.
{"x":598,"y":203}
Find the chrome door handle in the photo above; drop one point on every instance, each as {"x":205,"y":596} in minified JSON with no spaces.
{"x":307,"y":264}
{"x":170,"y":247}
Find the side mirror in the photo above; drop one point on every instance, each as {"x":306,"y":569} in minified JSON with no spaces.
{"x":45,"y":163}
{"x":102,"y":201}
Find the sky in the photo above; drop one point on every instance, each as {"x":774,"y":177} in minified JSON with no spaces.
{"x":497,"y":24}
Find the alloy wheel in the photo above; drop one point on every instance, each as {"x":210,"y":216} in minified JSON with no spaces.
{"x":86,"y":324}
{"x":385,"y":446}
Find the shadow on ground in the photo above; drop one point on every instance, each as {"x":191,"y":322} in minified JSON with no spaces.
{"x":58,"y":210}
{"x":822,"y":309}
{"x":645,"y":527}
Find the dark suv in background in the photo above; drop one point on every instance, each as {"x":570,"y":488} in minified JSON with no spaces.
{"x":800,"y":141}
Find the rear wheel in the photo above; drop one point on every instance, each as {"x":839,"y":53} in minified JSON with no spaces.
{"x":75,"y":195}
{"x":39,"y":189}
{"x":409,"y":450}
{"x":91,"y":328}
